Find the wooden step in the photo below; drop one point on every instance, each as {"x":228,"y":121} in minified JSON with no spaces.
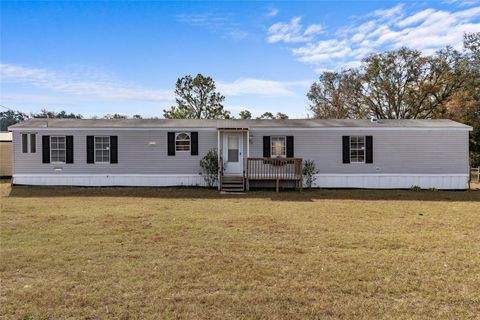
{"x":227,"y":178}
{"x":232,"y":184}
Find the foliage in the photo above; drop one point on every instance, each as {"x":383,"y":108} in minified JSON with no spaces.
{"x":271,"y":116}
{"x":115,"y":116}
{"x":400,"y":84}
{"x":245,"y":115}
{"x":44,"y":113}
{"x":209,"y":165}
{"x":10,"y":117}
{"x":415,"y":188}
{"x":309,"y":172}
{"x":196,"y":98}
{"x":335,"y":96}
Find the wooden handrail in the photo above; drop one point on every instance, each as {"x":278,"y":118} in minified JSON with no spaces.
{"x":276,"y":169}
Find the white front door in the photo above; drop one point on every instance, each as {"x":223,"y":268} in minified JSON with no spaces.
{"x":232,"y":153}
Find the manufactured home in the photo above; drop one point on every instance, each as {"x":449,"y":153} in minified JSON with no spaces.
{"x":346,"y":153}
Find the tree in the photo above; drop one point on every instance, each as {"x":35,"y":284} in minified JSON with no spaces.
{"x":270,"y":116}
{"x":44,"y":113}
{"x":245,"y":115}
{"x":266,"y":115}
{"x":196,"y":98}
{"x":11,"y":117}
{"x":281,"y":116}
{"x":137,"y":116}
{"x":404,"y":84}
{"x":336,"y":96}
{"x":115,"y":116}
{"x":400,"y":84}
{"x":464,"y":105}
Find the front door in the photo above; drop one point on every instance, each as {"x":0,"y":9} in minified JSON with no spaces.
{"x":232,"y":153}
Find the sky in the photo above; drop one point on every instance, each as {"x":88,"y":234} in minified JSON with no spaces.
{"x":97,"y":58}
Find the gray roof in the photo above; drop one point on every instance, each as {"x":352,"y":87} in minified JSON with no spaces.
{"x":195,"y":123}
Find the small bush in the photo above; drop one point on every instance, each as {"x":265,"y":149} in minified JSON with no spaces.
{"x":209,"y":165}
{"x":415,"y":188}
{"x":309,"y":172}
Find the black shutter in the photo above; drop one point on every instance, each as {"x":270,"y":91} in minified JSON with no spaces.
{"x":46,"y":149}
{"x":369,"y":149}
{"x":90,"y":149}
{"x":194,"y":141}
{"x":266,"y":146}
{"x":33,"y":143}
{"x":171,"y":143}
{"x":346,"y":149}
{"x":113,"y":149}
{"x":69,"y":149}
{"x":290,"y":153}
{"x":24,"y":143}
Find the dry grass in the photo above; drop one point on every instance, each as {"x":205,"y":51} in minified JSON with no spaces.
{"x":69,"y":253}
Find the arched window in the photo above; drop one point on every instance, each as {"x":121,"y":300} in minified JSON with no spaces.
{"x":182,"y":141}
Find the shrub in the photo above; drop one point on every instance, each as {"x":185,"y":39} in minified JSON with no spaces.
{"x":209,"y":165}
{"x":309,"y":172}
{"x":415,"y":188}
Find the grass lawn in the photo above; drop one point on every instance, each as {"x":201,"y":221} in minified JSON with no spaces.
{"x":146,"y":253}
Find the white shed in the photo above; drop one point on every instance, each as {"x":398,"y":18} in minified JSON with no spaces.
{"x":6,"y":154}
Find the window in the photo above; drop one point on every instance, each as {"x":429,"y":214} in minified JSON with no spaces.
{"x":24,"y":143}
{"x":233,"y":148}
{"x":357,"y":149}
{"x":102,"y":149}
{"x":182,"y":142}
{"x":33,"y":143}
{"x":57,"y":149}
{"x":278,"y":147}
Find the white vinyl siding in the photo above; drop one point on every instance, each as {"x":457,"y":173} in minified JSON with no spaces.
{"x":102,"y":149}
{"x":395,"y":151}
{"x":57,"y":149}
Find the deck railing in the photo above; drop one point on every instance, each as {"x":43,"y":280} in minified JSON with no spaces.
{"x":276,"y":169}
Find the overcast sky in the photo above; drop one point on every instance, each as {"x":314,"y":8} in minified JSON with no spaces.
{"x":96,"y":58}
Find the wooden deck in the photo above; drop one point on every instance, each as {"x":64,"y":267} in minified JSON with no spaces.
{"x":274,"y":169}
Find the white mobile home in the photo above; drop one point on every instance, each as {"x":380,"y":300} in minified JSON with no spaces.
{"x":347,"y":153}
